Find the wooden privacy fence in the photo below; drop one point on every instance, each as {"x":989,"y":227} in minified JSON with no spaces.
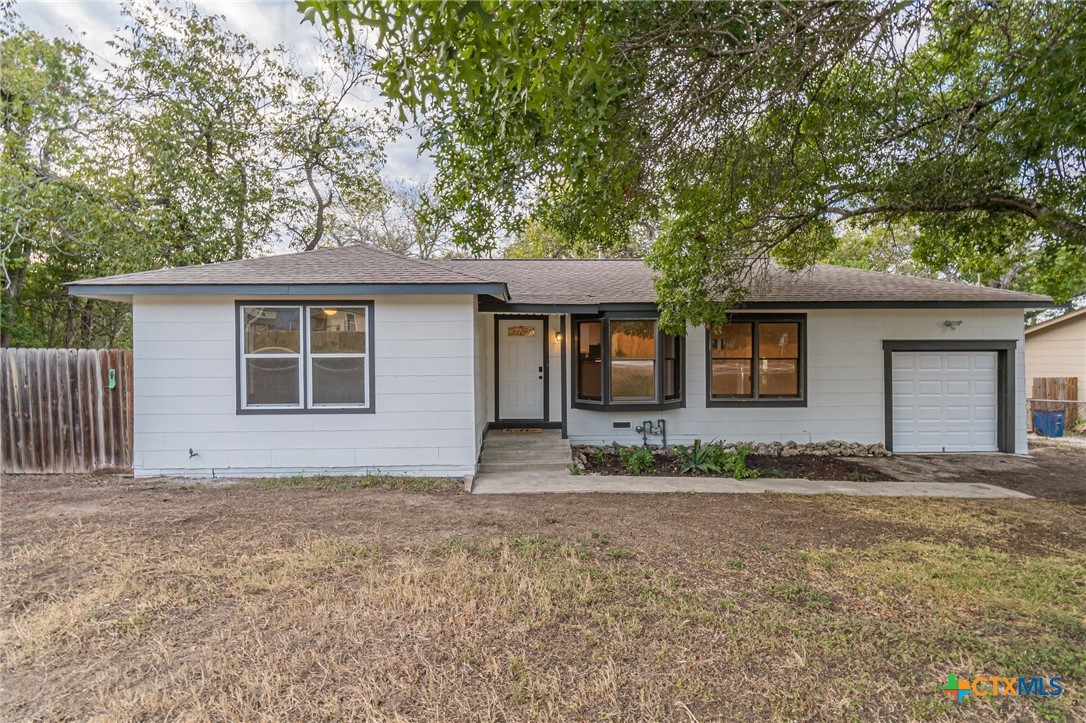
{"x":65,"y":410}
{"x":1050,"y":394}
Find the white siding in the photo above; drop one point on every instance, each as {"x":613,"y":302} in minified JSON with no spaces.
{"x":483,"y":323}
{"x":425,"y":396}
{"x":554,"y":361}
{"x":844,"y":382}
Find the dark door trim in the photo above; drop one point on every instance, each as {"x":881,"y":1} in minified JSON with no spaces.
{"x":1005,"y":372}
{"x":497,"y":372}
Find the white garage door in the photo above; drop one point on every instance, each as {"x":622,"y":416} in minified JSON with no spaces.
{"x":945,"y":401}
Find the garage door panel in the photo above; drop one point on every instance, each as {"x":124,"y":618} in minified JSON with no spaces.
{"x":904,"y":387}
{"x":957,"y":362}
{"x":958,"y":414}
{"x":959,"y":387}
{"x":929,"y":414}
{"x":944,"y":401}
{"x":930,"y":362}
{"x":933,"y":388}
{"x":906,"y":363}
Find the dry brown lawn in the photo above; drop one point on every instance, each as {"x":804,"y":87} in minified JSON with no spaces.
{"x":144,"y":599}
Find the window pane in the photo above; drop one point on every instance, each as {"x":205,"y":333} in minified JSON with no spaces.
{"x":671,"y":367}
{"x":731,"y":377}
{"x":589,"y":361}
{"x":778,"y":376}
{"x":271,"y":381}
{"x":778,"y":341}
{"x":633,"y":339}
{"x":590,"y":380}
{"x":633,"y":379}
{"x":339,"y":380}
{"x":733,"y":341}
{"x":272,"y":330}
{"x":337,"y":330}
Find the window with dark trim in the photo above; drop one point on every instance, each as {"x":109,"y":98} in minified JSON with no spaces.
{"x":305,"y":357}
{"x":626,"y":363}
{"x":759,"y":360}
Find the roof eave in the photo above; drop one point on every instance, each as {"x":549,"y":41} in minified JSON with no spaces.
{"x":580,"y":307}
{"x":124,"y":292}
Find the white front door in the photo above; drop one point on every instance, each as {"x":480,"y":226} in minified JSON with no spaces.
{"x":945,"y":401}
{"x":520,"y":369}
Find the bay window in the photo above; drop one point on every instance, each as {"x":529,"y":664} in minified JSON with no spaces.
{"x":757,"y":360}
{"x":305,"y":357}
{"x":626,"y":363}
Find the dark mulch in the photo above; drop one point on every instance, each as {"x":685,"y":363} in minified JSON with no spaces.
{"x":804,"y":466}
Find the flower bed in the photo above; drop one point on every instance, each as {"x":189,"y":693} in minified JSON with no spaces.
{"x":818,"y":461}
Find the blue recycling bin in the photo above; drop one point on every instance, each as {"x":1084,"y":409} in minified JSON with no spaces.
{"x":1048,"y":424}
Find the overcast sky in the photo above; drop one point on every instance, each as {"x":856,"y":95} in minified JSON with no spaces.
{"x":267,"y":22}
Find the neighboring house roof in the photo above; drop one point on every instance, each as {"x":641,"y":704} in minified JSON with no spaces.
{"x":536,"y":283}
{"x":1079,"y":314}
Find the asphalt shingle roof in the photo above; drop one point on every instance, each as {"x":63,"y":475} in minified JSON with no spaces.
{"x":563,"y":281}
{"x":618,"y":281}
{"x":346,"y":265}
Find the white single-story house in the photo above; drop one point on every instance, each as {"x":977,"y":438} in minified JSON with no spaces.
{"x":355,"y":360}
{"x":1057,"y":348}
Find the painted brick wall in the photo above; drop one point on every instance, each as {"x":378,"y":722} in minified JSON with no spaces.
{"x":185,"y":396}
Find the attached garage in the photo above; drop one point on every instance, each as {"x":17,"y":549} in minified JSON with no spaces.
{"x":949,"y":396}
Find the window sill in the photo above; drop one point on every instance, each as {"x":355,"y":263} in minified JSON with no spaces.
{"x":631,"y":407}
{"x":756,"y":403}
{"x":332,"y":410}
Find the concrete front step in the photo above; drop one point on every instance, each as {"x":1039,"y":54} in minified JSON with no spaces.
{"x":527,"y":455}
{"x":515,"y":442}
{"x":506,"y":467}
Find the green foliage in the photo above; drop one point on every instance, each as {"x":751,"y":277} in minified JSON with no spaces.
{"x":732,"y":463}
{"x":195,"y":146}
{"x":697,"y":458}
{"x":736,"y":131}
{"x":637,"y":460}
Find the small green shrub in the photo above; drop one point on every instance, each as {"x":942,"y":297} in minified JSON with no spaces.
{"x":732,"y":463}
{"x":858,"y":476}
{"x":574,"y":469}
{"x":696,"y":458}
{"x":637,"y":460}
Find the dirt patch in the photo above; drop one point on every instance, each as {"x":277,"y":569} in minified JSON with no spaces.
{"x":1050,"y":472}
{"x":805,"y":466}
{"x":145,"y":599}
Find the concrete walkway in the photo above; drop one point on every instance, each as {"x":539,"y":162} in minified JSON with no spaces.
{"x":509,"y":483}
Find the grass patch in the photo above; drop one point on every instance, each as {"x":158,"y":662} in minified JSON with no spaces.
{"x":364,"y":482}
{"x":278,"y":621}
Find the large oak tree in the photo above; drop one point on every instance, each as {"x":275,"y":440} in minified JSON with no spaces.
{"x":743,"y":130}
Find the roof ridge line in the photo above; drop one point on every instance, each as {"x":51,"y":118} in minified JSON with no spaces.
{"x":425,"y":262}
